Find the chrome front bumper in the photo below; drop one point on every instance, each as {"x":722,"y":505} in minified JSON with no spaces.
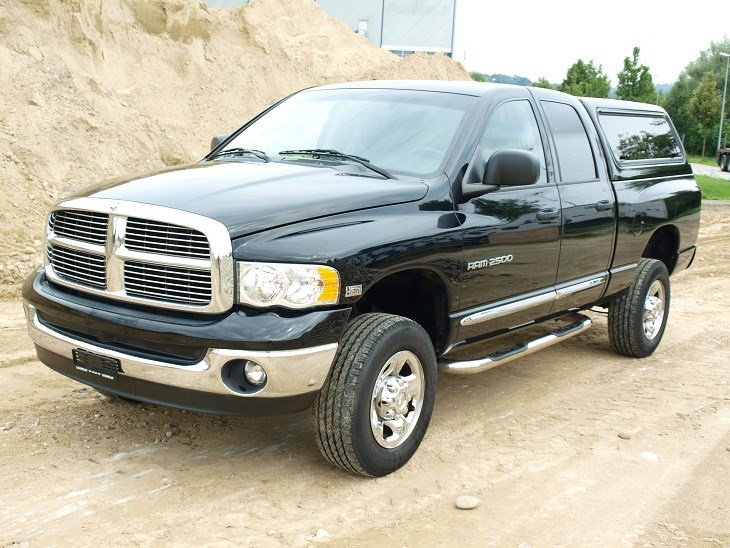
{"x":289,"y":372}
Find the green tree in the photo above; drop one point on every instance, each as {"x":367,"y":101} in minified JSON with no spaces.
{"x":634,"y":81}
{"x":705,"y":105}
{"x":478,"y":76}
{"x":677,"y":105}
{"x":586,"y":80}
{"x":509,"y":79}
{"x":678,"y":99}
{"x":542,"y":82}
{"x":709,"y":59}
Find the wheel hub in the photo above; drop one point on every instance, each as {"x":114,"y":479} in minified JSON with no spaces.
{"x":654,"y":310}
{"x":397,"y":399}
{"x":391,"y":398}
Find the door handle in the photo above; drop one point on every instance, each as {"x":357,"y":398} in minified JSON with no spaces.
{"x":548,"y":214}
{"x":604,"y":205}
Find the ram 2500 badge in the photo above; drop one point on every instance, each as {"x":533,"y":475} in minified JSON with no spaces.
{"x":351,"y":240}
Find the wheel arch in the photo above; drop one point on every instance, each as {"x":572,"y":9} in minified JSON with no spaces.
{"x":664,"y":246}
{"x":420,"y":294}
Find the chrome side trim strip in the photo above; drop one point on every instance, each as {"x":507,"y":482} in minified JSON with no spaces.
{"x":497,"y":311}
{"x":580,"y":286}
{"x":220,"y":263}
{"x":470,"y":367}
{"x":623,"y":268}
{"x":505,"y":309}
{"x":289,"y":372}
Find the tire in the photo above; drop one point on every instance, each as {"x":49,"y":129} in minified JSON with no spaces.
{"x":637,"y":317}
{"x":383,"y":376}
{"x":114,"y":397}
{"x":725,"y":162}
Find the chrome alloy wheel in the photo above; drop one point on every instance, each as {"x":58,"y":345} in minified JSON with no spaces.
{"x":654,"y":309}
{"x":397,"y":399}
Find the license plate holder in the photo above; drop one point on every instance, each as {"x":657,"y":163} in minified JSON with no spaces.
{"x":96,"y":364}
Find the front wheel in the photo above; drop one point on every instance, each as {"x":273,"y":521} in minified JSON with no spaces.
{"x":637,"y":317}
{"x":377,"y":401}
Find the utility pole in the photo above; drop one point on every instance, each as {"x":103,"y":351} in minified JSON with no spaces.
{"x":724,"y":94}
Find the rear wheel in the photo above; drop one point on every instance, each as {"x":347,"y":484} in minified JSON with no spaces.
{"x":637,"y":317}
{"x":377,"y":401}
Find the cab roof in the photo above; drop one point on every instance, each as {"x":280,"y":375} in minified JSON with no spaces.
{"x":463,"y":87}
{"x":478,"y":89}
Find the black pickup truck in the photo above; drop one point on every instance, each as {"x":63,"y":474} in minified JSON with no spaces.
{"x":353,"y":239}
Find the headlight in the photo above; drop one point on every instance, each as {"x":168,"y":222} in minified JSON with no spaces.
{"x":288,"y":285}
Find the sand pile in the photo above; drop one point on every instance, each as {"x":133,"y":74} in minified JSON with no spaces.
{"x":93,"y":89}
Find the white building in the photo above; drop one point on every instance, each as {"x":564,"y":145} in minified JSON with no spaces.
{"x":401,"y":26}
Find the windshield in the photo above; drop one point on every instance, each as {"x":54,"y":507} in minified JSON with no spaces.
{"x":401,"y":131}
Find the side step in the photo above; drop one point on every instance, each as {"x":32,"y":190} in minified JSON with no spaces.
{"x":469,"y":367}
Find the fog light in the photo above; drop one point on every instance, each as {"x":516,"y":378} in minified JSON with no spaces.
{"x":255,"y":374}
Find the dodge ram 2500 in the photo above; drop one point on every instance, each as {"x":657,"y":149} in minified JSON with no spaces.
{"x":351,"y":240}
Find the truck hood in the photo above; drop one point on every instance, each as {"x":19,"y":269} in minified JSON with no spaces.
{"x":249,"y":197}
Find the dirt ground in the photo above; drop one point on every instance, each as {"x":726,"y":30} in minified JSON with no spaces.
{"x":105,"y":87}
{"x":537,"y":441}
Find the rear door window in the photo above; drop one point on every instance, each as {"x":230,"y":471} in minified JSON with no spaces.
{"x":575,"y":156}
{"x":640,"y":137}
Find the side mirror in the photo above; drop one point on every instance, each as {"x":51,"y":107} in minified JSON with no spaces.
{"x":506,"y":167}
{"x":512,"y":167}
{"x":217,"y":140}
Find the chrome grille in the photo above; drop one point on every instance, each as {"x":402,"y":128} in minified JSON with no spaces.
{"x":78,"y":266}
{"x":167,"y":283}
{"x":166,"y":239}
{"x":141,"y":253}
{"x":85,"y":226}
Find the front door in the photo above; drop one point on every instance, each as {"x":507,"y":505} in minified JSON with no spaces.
{"x":511,"y":236}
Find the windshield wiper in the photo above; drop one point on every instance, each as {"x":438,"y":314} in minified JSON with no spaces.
{"x":241,"y":151}
{"x":320,"y":152}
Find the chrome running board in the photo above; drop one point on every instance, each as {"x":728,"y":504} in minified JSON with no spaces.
{"x":469,"y":367}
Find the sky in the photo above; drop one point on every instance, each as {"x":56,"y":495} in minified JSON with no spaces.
{"x":535,"y":38}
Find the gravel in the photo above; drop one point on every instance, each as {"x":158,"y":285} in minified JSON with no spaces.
{"x":701,"y":169}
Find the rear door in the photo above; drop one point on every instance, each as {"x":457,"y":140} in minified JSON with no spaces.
{"x":587,"y":201}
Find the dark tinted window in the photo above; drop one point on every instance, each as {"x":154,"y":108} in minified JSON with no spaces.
{"x":573,"y":148}
{"x":635,"y":137}
{"x":513,"y":125}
